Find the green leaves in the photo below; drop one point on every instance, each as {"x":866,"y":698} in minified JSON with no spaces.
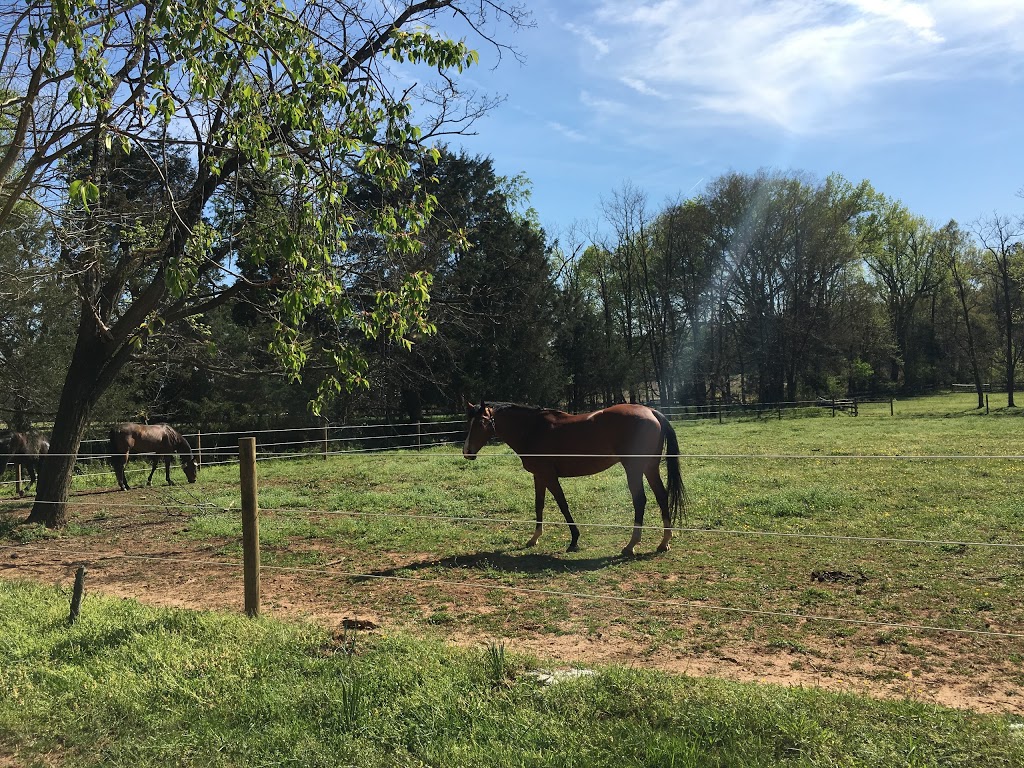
{"x":83,"y":192}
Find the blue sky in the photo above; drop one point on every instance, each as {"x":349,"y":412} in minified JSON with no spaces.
{"x":925,"y":99}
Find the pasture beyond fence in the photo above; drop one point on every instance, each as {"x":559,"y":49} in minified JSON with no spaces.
{"x":249,"y":451}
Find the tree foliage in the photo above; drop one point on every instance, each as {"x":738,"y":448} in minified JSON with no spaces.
{"x":285,"y":106}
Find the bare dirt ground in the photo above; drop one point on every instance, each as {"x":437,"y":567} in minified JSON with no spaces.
{"x":167,"y":569}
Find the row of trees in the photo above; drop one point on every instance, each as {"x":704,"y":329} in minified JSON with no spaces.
{"x":777,"y":286}
{"x":214,"y":212}
{"x":765,"y":287}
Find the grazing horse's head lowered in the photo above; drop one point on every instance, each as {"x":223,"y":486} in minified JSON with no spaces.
{"x":158,"y":440}
{"x":480,"y":430}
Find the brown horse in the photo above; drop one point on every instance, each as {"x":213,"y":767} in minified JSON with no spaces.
{"x":161,"y":440}
{"x":554,"y":444}
{"x":22,"y":448}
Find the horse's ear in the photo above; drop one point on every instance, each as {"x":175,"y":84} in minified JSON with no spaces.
{"x":470,"y":409}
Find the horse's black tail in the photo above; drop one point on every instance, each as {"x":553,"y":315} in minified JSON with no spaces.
{"x":676,"y":489}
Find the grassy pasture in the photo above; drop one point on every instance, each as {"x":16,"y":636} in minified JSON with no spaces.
{"x":130,"y":685}
{"x":780,"y":559}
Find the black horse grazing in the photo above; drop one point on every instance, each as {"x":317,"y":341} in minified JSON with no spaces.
{"x":161,"y":440}
{"x":554,"y":444}
{"x":22,"y":448}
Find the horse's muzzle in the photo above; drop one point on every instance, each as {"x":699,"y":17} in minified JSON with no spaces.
{"x":470,"y":456}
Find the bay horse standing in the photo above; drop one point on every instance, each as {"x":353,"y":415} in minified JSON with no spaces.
{"x":554,"y":444}
{"x":22,"y":448}
{"x":161,"y":440}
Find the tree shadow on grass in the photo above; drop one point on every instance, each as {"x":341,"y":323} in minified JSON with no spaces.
{"x":519,"y":560}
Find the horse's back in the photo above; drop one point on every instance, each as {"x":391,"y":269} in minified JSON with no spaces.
{"x":591,"y":442}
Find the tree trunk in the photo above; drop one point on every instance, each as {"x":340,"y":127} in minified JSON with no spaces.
{"x":1011,"y":362}
{"x":89,"y":374}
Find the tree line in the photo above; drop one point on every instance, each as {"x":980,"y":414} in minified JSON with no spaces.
{"x":219,"y":215}
{"x":765,"y":287}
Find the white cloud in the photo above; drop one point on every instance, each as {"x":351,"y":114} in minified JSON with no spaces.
{"x":803,"y":65}
{"x":604,"y":107}
{"x":600,"y":46}
{"x":570,"y":133}
{"x":641,"y":87}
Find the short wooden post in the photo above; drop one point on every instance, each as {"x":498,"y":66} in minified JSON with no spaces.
{"x":250,"y":525}
{"x":325,"y":442}
{"x":17,"y":478}
{"x":76,"y":595}
{"x":986,"y":403}
{"x":199,"y":449}
{"x":891,"y":412}
{"x":720,"y":406}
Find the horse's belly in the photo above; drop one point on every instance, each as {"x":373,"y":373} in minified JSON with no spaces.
{"x":569,"y":466}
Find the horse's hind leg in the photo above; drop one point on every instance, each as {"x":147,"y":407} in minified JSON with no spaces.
{"x":539,"y":491}
{"x":654,"y":480}
{"x":155,"y":463}
{"x":31,"y":467}
{"x":167,"y":470}
{"x":556,"y":490}
{"x":635,"y":480}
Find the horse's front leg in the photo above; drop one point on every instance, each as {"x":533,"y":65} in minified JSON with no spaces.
{"x":152,"y":471}
{"x":540,"y":489}
{"x":556,"y":490}
{"x":635,"y":480}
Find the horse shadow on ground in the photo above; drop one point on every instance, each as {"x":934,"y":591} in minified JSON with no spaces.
{"x":519,"y":560}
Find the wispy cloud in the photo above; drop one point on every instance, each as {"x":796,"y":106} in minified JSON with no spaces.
{"x":570,"y":133}
{"x":800,"y":65}
{"x":600,"y":46}
{"x":641,"y":87}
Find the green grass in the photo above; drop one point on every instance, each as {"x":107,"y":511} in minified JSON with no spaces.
{"x":760,"y":525}
{"x":134,"y":686}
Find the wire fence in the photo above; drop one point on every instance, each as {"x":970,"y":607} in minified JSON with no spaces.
{"x":316,"y":443}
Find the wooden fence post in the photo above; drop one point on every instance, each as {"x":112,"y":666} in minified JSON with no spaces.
{"x":250,"y":525}
{"x":76,"y":595}
{"x":199,"y":449}
{"x":17,"y":478}
{"x":891,"y":412}
{"x":325,"y":442}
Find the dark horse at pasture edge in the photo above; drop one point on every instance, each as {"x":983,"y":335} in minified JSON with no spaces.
{"x":161,"y":440}
{"x":22,"y":448}
{"x":554,"y":444}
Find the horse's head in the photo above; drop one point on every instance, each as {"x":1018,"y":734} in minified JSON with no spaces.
{"x":481,"y":428}
{"x":191,"y":470}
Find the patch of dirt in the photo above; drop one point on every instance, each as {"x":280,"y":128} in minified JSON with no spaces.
{"x":142,"y":555}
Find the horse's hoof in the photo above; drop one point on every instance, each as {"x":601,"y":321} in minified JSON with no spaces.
{"x":628,"y":552}
{"x":574,"y":547}
{"x":664,"y":547}
{"x":531,"y":543}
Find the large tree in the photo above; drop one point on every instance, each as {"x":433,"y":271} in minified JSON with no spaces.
{"x":1002,"y":259}
{"x":296,"y":100}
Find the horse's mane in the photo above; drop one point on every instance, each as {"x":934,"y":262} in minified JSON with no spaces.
{"x":178,"y":442}
{"x":537,"y":410}
{"x":501,"y":406}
